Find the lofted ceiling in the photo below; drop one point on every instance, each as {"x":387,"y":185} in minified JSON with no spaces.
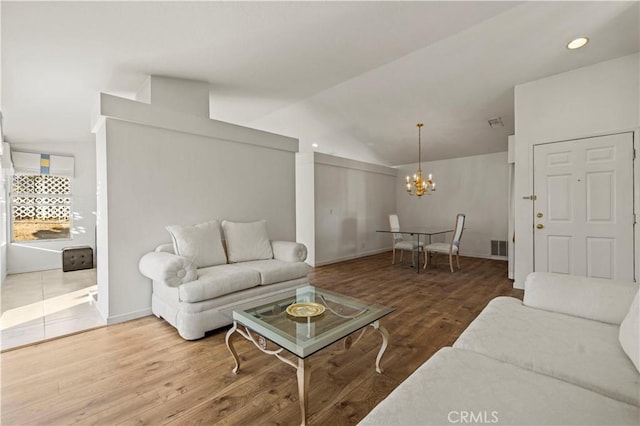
{"x":352,"y":78}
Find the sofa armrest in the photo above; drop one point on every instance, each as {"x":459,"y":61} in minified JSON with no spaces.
{"x":592,"y":298}
{"x":289,"y":251}
{"x":168,"y":268}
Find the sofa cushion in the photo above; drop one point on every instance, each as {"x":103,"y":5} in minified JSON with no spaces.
{"x":457,"y":386}
{"x":247,"y":241}
{"x":201,"y":243}
{"x":218,"y":280}
{"x":238,"y":298}
{"x":597,"y":299}
{"x":583,"y":352}
{"x":629,"y":335}
{"x":275,"y":271}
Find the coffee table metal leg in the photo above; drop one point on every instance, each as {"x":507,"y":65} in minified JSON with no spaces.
{"x":229,"y":342}
{"x":302,"y":369}
{"x":303,"y":384}
{"x":385,"y":341}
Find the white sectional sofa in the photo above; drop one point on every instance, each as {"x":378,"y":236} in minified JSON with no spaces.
{"x":568,"y":354}
{"x":194,"y":279}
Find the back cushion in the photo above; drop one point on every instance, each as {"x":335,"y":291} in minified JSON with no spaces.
{"x":247,"y":241}
{"x":201,"y":243}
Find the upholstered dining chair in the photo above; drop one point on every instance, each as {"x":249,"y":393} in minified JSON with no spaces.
{"x":451,"y":248}
{"x":399,"y":243}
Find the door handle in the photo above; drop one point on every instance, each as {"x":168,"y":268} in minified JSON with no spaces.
{"x":539,"y":226}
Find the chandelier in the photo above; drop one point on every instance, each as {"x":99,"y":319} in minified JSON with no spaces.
{"x":419,"y":185}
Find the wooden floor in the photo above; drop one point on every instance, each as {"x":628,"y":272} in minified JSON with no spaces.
{"x":142,"y":372}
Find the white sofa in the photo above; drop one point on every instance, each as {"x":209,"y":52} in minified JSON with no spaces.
{"x":194,"y":279}
{"x":566,"y":355}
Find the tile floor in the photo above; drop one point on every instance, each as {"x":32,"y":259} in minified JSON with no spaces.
{"x":41,"y":305}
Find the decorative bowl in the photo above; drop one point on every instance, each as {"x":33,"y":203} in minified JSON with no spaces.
{"x":305,"y":309}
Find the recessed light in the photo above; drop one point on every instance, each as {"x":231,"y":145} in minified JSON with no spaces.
{"x":577,"y":43}
{"x":315,"y":145}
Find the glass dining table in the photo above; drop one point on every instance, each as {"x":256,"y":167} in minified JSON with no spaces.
{"x":417,"y":232}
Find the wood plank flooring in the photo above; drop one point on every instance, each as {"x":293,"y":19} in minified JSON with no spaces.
{"x":142,"y":372}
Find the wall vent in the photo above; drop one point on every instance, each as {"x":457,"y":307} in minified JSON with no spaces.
{"x":496,"y":122}
{"x":498,"y":248}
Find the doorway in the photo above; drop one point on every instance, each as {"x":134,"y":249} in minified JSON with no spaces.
{"x":583,"y":207}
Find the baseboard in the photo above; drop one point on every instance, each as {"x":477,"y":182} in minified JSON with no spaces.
{"x":389,"y":249}
{"x":353,"y":256}
{"x":129,"y":316}
{"x":503,"y":258}
{"x":482,"y":256}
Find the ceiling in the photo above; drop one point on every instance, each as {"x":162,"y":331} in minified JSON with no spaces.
{"x":352,"y":77}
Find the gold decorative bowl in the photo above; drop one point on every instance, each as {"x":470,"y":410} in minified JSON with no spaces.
{"x":305,"y":309}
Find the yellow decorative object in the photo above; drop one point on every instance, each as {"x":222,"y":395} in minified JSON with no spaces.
{"x":305,"y":309}
{"x":420,"y":185}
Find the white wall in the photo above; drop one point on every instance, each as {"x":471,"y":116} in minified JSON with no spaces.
{"x":3,"y":227}
{"x":476,"y":186}
{"x":159,"y":166}
{"x":5,"y":162}
{"x":350,"y":200}
{"x":598,"y":99}
{"x":43,"y":255}
{"x":307,"y":121}
{"x":511,"y":207}
{"x":4,"y":223}
{"x":305,"y":204}
{"x":102,"y":222}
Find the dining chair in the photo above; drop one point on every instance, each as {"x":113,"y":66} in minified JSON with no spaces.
{"x":452,"y":247}
{"x":400,"y":243}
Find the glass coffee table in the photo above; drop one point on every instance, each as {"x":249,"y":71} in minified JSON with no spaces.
{"x":303,"y":321}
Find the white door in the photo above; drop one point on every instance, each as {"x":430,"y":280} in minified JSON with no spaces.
{"x":583,"y":209}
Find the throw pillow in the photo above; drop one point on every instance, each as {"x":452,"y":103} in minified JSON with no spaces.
{"x":247,"y":241}
{"x":201,"y":243}
{"x":629,"y":335}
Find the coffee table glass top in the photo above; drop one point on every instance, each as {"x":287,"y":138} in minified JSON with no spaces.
{"x":303,"y":336}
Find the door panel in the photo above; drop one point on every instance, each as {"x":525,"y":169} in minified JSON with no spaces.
{"x":559,"y":253}
{"x":596,"y":155}
{"x":600,"y":257}
{"x":559,"y":158}
{"x":600,"y":202}
{"x":583,"y":211}
{"x":560,"y":198}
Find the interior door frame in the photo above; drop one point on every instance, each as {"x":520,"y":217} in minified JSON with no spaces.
{"x":635,"y":132}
